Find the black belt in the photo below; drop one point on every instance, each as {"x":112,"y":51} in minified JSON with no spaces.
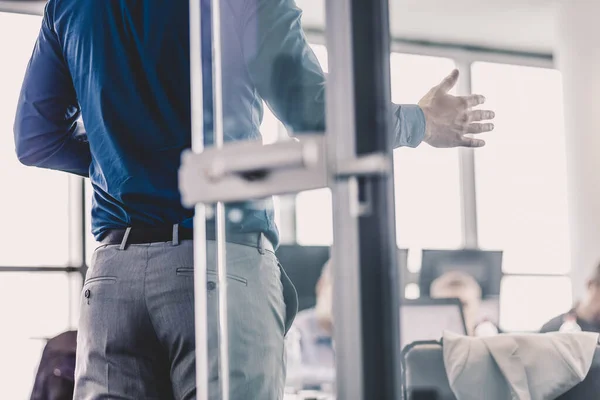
{"x":140,"y":235}
{"x":145,"y":235}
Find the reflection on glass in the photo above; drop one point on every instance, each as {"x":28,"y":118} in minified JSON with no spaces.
{"x":35,"y":202}
{"x":521,"y":173}
{"x":526,"y":303}
{"x":310,"y":344}
{"x":427,"y":181}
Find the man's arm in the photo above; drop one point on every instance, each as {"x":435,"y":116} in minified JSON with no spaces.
{"x":46,"y":126}
{"x":289,"y":78}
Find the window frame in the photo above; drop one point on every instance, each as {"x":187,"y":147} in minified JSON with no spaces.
{"x":464,"y":57}
{"x":76,"y":214}
{"x":77,"y":235}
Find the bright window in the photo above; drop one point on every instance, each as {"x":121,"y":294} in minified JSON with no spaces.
{"x":427,"y":180}
{"x":90,"y":242}
{"x":35,"y":202}
{"x":522,"y":190}
{"x":527,"y":303}
{"x":314,"y":218}
{"x":270,"y":127}
{"x":321,"y":54}
{"x":521,"y":173}
{"x":34,"y":307}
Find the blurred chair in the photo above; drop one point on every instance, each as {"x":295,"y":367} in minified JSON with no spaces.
{"x":485,"y":271}
{"x":56,"y":374}
{"x":303,"y":264}
{"x":424,"y":375}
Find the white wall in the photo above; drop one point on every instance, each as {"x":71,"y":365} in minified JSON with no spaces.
{"x":578,"y":58}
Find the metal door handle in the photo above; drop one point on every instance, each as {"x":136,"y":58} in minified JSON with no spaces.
{"x":367,"y":165}
{"x":252,"y":166}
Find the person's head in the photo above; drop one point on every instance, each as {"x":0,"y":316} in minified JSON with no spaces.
{"x":593,"y":284}
{"x":462,"y":286}
{"x":324,"y":291}
{"x":591,"y":302}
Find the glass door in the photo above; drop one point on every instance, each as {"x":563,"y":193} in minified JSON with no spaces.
{"x":244,"y":63}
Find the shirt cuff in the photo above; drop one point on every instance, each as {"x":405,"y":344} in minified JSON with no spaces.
{"x":412,"y":125}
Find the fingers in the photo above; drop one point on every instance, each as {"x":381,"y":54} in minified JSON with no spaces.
{"x":471,"y":142}
{"x":480,"y":128}
{"x":472,"y":100}
{"x":466,"y":118}
{"x":480,"y":115}
{"x":448,"y":83}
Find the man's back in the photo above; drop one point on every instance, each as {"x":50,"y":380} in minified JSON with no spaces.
{"x":125,"y":65}
{"x":129,"y":61}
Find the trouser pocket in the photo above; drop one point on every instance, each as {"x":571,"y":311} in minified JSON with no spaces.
{"x":290,"y":297}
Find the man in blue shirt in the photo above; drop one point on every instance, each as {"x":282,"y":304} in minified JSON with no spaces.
{"x":122,"y":66}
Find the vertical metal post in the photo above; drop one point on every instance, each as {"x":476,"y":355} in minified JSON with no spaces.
{"x":83,"y":231}
{"x":366,"y":288}
{"x":221,"y":223}
{"x":344,"y":253}
{"x":76,"y":220}
{"x":200,"y":294}
{"x":467,"y":172}
{"x":377,"y":232}
{"x":77,"y":241}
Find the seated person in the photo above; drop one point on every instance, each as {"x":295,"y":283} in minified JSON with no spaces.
{"x":462,"y":286}
{"x":55,"y":378}
{"x":309,"y":344}
{"x":585,"y":316}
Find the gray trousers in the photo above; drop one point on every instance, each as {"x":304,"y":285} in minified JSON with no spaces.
{"x":136,"y":331}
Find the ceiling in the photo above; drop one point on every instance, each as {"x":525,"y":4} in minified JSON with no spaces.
{"x":22,"y":6}
{"x":521,"y":25}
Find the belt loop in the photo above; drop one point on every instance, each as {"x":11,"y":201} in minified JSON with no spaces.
{"x":261,"y":244}
{"x":176,"y":235}
{"x":125,"y":237}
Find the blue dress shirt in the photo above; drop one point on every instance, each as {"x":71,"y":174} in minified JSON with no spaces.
{"x":122,"y":67}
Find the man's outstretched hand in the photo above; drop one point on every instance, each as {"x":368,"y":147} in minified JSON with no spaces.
{"x":449,"y":118}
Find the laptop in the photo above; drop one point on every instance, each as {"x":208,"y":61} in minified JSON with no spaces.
{"x":427,"y":319}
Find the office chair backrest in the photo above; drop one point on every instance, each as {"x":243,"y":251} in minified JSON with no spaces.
{"x":423,"y":373}
{"x":303,"y":264}
{"x":56,"y":373}
{"x":424,"y":376}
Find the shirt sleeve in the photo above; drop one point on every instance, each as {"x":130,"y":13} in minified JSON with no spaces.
{"x":289,"y":78}
{"x":47,"y":130}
